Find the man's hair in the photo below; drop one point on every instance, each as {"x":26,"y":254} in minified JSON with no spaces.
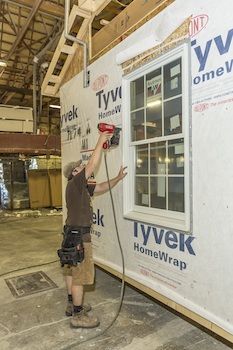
{"x":67,"y":171}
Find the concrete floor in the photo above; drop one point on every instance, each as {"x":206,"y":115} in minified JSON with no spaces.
{"x":37,"y":321}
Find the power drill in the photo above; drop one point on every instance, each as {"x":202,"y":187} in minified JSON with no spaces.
{"x":115,"y":139}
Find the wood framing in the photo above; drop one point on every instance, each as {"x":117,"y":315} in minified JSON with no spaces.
{"x":47,"y":7}
{"x":135,"y":15}
{"x":52,"y":82}
{"x":126,"y":22}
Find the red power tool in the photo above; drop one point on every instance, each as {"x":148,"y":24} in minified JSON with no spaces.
{"x":112,"y":129}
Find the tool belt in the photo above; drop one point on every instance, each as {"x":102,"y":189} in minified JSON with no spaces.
{"x":72,"y":249}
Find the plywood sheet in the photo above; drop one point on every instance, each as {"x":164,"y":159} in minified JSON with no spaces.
{"x":39,"y":189}
{"x":55,"y":187}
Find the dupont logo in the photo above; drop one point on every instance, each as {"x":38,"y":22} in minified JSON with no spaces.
{"x":201,"y":107}
{"x":100,"y":82}
{"x":197,"y":24}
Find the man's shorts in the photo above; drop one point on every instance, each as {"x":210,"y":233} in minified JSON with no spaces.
{"x":83,"y":273}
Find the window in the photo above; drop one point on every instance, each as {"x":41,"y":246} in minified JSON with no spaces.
{"x":157,"y":148}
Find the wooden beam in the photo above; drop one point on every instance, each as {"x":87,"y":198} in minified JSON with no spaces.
{"x":24,"y":29}
{"x":133,"y":15}
{"x":47,"y":7}
{"x":22,"y":91}
{"x":53,"y":90}
{"x":30,"y":144}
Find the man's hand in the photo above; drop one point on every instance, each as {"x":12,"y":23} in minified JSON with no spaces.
{"x":104,"y":137}
{"x":122,"y":173}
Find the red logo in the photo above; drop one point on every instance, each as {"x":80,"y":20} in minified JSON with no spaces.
{"x":100,"y":82}
{"x":197,"y":24}
{"x":201,"y":107}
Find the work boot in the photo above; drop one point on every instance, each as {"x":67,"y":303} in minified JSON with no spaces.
{"x":83,"y":320}
{"x":69,"y":308}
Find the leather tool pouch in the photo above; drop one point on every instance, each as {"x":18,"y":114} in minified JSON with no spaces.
{"x":72,"y":249}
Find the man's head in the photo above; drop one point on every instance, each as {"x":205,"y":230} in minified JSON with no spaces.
{"x":73,"y":168}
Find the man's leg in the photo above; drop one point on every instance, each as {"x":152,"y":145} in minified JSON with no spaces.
{"x":77,"y":295}
{"x":69,"y":307}
{"x":83,"y":274}
{"x":69,"y":284}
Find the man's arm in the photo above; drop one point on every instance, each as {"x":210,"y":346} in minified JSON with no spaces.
{"x":104,"y":186}
{"x":95,"y":157}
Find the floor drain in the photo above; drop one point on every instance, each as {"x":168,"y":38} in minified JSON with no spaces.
{"x":28,"y":284}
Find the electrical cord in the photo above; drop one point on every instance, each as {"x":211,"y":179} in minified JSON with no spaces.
{"x":70,"y":346}
{"x":28,"y":267}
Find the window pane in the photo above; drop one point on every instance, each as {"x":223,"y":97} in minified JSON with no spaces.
{"x":141,"y":191}
{"x":172,"y":79}
{"x":173,"y":116}
{"x":142,"y":159}
{"x":157,"y":158}
{"x":176,"y":194}
{"x":158,"y":192}
{"x":137,"y":94}
{"x":154,"y":121}
{"x":137,"y":125}
{"x":153,"y":87}
{"x":176,"y":156}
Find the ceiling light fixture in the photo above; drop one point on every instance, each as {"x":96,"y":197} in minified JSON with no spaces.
{"x":154,"y":103}
{"x":55,"y":106}
{"x":3,"y":63}
{"x":104,"y":22}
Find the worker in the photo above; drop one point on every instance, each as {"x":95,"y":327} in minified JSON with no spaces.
{"x":79,"y":191}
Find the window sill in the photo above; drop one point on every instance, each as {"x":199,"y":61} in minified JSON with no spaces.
{"x":157,"y":220}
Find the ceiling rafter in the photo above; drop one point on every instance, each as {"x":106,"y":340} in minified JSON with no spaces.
{"x":26,"y":28}
{"x":47,"y":8}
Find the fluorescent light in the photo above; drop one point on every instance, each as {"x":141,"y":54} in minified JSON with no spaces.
{"x":3,"y":63}
{"x":150,"y":124}
{"x":55,"y":106}
{"x":154,"y":103}
{"x":104,"y":22}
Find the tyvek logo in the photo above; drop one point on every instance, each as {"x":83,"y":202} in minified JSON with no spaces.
{"x":171,"y":239}
{"x":100,"y":82}
{"x":197,"y":24}
{"x":72,"y":114}
{"x":220,"y":45}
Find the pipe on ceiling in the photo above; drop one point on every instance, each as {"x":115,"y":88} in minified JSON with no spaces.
{"x":78,"y":41}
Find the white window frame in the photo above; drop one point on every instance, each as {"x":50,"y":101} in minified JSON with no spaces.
{"x":159,"y":217}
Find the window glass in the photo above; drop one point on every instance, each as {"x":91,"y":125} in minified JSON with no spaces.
{"x":137,"y":93}
{"x":176,"y":194}
{"x":158,"y":192}
{"x":154,"y":121}
{"x":141,"y":191}
{"x":172,"y":79}
{"x":158,"y":158}
{"x":176,"y":156}
{"x":142,"y":159}
{"x":153,"y":87}
{"x":173,"y":116}
{"x":137,"y":126}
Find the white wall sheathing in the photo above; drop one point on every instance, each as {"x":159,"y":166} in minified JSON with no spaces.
{"x":202,"y":281}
